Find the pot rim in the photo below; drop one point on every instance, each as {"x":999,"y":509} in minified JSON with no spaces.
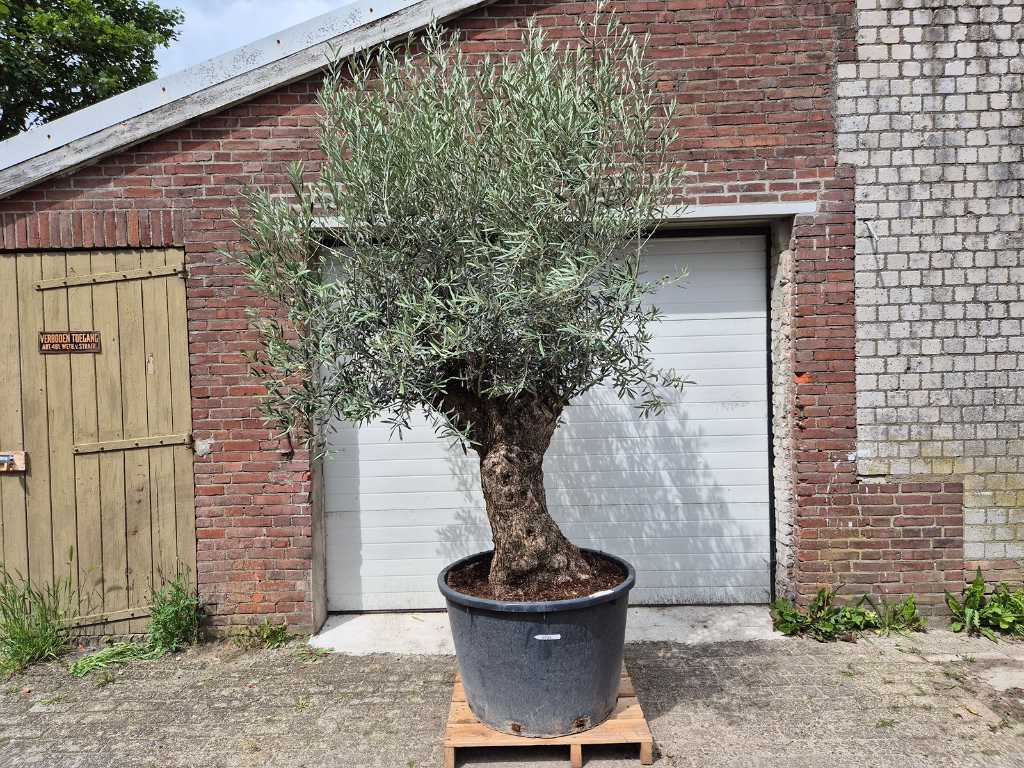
{"x":541,"y":606}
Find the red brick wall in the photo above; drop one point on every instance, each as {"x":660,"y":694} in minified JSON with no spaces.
{"x":894,"y":538}
{"x":754,"y":82}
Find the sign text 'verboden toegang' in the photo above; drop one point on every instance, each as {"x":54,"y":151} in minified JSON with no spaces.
{"x":56,"y":342}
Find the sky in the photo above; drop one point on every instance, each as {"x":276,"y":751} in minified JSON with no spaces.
{"x":212,"y":27}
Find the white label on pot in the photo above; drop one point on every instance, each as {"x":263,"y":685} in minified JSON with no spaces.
{"x":547,"y":637}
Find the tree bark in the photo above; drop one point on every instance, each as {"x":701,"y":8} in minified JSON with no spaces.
{"x":531,"y":554}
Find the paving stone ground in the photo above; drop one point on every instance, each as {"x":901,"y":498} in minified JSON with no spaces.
{"x":930,"y":700}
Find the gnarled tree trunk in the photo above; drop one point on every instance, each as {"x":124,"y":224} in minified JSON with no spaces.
{"x":531,"y":553}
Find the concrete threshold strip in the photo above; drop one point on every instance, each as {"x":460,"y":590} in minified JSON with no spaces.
{"x":428,"y":633}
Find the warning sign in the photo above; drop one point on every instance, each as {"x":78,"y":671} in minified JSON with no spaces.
{"x":57,"y":342}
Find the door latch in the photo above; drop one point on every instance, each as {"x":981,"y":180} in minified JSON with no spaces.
{"x":12,"y":461}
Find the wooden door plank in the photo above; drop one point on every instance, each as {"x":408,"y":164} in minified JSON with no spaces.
{"x":158,"y":411}
{"x":33,"y":377}
{"x":110,"y":427}
{"x":181,"y":415}
{"x":131,"y":320}
{"x":85,"y":429}
{"x":12,"y":486}
{"x":60,"y":419}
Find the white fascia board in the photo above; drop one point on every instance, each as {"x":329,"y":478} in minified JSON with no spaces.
{"x":737,"y":211}
{"x":687,"y":214}
{"x":162,"y":105}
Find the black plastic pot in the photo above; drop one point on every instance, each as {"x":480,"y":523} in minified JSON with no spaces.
{"x":540,"y":669}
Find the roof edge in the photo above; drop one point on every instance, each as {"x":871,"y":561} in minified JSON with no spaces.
{"x":84,"y":137}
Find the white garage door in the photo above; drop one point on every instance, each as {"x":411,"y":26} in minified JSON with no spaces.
{"x":683,"y":496}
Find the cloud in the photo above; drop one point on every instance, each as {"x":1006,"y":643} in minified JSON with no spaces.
{"x":212,"y":27}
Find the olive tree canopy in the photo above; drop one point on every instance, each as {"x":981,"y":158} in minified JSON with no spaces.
{"x":470,"y":249}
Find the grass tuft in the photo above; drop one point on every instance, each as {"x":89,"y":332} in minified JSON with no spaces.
{"x":33,"y":622}
{"x":116,"y":653}
{"x":263,"y":635}
{"x":176,"y":617}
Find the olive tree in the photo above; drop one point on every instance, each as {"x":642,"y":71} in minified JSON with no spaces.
{"x":470,"y":249}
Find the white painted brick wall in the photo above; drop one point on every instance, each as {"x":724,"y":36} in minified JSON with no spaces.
{"x":932,"y":117}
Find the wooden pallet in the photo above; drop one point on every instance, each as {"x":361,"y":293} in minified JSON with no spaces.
{"x":626,"y":725}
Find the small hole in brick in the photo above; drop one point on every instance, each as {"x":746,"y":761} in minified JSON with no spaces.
{"x":515,"y":727}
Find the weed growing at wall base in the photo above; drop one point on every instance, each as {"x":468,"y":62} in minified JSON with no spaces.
{"x":176,"y":615}
{"x":899,"y":617}
{"x":264,"y":635}
{"x":1002,"y":611}
{"x":825,"y":621}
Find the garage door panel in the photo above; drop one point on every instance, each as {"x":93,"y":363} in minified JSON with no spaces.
{"x":724,"y":392}
{"x":586,"y":531}
{"x":376,"y":502}
{"x":713,"y":362}
{"x":727,"y":385}
{"x":699,"y":578}
{"x":733,"y":419}
{"x":666,"y":570}
{"x":576,"y":513}
{"x":376,"y":459}
{"x":463,"y":541}
{"x":683,"y":495}
{"x":734,"y":422}
{"x":373,"y":552}
{"x":674,"y":338}
{"x":431,"y":599}
{"x":579,"y":532}
{"x":603,"y":462}
{"x":702,"y":307}
{"x":717,"y":403}
{"x":703,"y":327}
{"x":424,"y":600}
{"x":680,"y":562}
{"x":583,"y":476}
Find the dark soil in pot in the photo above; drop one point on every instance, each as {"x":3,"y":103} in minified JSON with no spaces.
{"x":539,"y":668}
{"x":470,"y":578}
